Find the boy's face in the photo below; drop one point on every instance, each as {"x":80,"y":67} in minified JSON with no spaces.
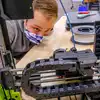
{"x":40,"y":24}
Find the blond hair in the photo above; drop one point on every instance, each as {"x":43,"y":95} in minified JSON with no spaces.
{"x":48,"y":7}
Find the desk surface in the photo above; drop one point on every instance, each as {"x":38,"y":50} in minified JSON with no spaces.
{"x":59,"y":39}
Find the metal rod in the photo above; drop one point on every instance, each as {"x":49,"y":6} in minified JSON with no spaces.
{"x":39,"y":77}
{"x":44,"y":72}
{"x":54,"y":80}
{"x":16,"y":70}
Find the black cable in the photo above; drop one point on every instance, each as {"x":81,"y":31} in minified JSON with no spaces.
{"x":70,"y":98}
{"x":4,"y":92}
{"x":68,"y":21}
{"x":75,"y":97}
{"x":58,"y":98}
{"x":72,"y":4}
{"x":10,"y":94}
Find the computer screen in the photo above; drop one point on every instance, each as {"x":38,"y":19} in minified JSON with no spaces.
{"x":16,"y":9}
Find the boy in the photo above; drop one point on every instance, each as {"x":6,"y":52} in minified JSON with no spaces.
{"x":30,"y":32}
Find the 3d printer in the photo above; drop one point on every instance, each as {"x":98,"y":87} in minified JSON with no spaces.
{"x":75,"y":68}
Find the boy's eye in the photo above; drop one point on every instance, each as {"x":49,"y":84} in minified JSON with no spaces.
{"x":36,"y":29}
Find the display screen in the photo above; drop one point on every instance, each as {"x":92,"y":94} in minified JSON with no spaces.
{"x":16,"y":9}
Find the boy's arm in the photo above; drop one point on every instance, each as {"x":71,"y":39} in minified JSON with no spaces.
{"x":10,"y":32}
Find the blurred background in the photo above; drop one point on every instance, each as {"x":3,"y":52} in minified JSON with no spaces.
{"x":68,"y":5}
